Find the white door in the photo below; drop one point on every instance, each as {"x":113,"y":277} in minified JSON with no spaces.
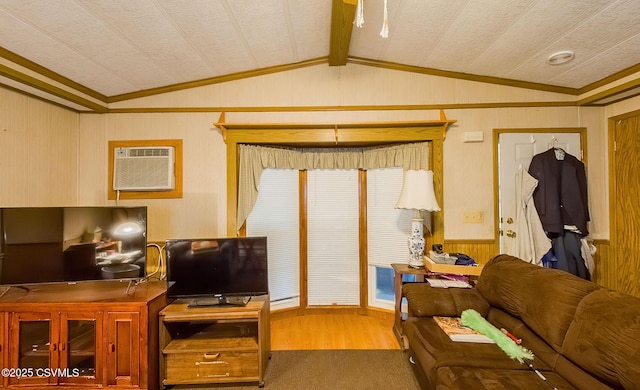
{"x":516,"y":150}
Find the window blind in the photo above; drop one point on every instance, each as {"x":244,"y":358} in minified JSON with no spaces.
{"x":276,"y":216}
{"x":333,"y":254}
{"x":387,"y":231}
{"x":387,"y":227}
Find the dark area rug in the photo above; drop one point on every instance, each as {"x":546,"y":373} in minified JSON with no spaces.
{"x":334,"y":369}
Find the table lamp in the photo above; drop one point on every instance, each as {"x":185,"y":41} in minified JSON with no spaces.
{"x":417,"y":194}
{"x":127,"y":233}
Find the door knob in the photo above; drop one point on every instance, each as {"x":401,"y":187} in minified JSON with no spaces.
{"x":509,"y":220}
{"x":511,"y":233}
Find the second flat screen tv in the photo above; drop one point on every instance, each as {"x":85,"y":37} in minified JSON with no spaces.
{"x":217,"y":267}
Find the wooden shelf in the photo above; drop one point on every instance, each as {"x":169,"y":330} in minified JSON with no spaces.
{"x":217,"y":344}
{"x":225,"y":337}
{"x":451,"y":268}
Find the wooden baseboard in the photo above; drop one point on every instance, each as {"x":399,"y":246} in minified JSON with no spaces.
{"x":328,"y":310}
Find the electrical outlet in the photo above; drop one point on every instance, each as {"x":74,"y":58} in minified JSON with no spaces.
{"x":473,"y":217}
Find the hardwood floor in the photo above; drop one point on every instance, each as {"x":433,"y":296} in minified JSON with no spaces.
{"x":332,"y":331}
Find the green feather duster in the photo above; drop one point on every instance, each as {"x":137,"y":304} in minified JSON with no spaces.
{"x":472,"y":319}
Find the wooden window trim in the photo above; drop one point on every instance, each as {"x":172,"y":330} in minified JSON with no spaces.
{"x":336,"y":135}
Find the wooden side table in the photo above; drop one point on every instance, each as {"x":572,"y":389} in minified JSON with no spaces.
{"x":398,"y":271}
{"x":430,"y":267}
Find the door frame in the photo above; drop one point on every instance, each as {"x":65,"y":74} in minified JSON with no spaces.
{"x":496,"y":160}
{"x":614,"y":256}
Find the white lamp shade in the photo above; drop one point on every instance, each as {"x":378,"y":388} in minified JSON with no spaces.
{"x":417,"y":191}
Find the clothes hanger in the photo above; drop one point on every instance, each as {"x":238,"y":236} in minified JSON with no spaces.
{"x":558,"y":150}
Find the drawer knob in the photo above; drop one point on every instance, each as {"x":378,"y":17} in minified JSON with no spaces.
{"x":211,"y":355}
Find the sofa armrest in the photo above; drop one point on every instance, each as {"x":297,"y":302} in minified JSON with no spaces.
{"x":426,"y":301}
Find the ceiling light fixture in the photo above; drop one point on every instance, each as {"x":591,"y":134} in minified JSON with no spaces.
{"x":561,"y":57}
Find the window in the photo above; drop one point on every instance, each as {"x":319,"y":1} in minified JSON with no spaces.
{"x":276,"y":216}
{"x":387,"y":232}
{"x":333,"y":237}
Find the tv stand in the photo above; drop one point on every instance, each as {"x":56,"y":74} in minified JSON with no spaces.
{"x":220,"y":301}
{"x":218,"y":344}
{"x":93,"y":330}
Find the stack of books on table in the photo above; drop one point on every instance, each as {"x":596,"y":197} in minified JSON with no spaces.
{"x":447,"y":283}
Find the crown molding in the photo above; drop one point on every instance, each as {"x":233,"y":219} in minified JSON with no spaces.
{"x":464,"y":76}
{"x":217,"y":80}
{"x":41,"y":70}
{"x":52,"y":83}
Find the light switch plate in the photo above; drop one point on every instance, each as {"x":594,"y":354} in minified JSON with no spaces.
{"x":473,"y":217}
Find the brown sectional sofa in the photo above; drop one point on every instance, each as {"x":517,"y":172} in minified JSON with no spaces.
{"x":583,"y":336}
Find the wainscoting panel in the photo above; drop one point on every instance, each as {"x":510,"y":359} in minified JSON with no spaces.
{"x":480,"y":250}
{"x":606,"y":272}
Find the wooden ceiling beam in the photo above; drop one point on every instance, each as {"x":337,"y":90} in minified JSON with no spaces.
{"x":342,"y":15}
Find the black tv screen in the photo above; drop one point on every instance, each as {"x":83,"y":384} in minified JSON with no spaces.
{"x":217,"y":267}
{"x":70,"y":244}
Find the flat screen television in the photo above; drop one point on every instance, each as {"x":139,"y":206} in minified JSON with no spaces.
{"x":71,"y":244}
{"x":217,"y":270}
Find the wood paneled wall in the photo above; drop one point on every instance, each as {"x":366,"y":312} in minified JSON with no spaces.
{"x":480,"y":250}
{"x":605,"y":271}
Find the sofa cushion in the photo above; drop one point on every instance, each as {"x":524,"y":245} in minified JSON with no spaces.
{"x":427,"y":301}
{"x":544,"y":355}
{"x":435,"y":349}
{"x":604,"y":337}
{"x":542,"y":352}
{"x":545,"y":299}
{"x":464,"y":378}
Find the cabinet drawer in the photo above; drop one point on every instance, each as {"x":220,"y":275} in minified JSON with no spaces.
{"x":210,"y":366}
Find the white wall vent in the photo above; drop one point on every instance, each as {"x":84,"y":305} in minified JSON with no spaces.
{"x":144,"y":169}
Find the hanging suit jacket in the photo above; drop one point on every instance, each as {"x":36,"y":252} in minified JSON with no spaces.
{"x":561,"y":196}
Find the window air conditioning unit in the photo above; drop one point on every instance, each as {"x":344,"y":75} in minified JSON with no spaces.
{"x":144,"y":169}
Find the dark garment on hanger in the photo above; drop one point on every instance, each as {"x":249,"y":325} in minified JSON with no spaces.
{"x":561,"y":195}
{"x":567,"y":250}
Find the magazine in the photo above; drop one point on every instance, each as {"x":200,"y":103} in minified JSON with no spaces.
{"x":458,"y":332}
{"x":446,"y":283}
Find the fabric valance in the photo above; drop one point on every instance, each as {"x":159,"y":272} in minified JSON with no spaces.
{"x":254,"y":159}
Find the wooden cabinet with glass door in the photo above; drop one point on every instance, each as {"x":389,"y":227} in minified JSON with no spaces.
{"x":49,"y":348}
{"x":50,"y":342}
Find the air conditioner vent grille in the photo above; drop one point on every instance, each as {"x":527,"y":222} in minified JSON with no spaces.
{"x":148,"y":152}
{"x":143,"y":169}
